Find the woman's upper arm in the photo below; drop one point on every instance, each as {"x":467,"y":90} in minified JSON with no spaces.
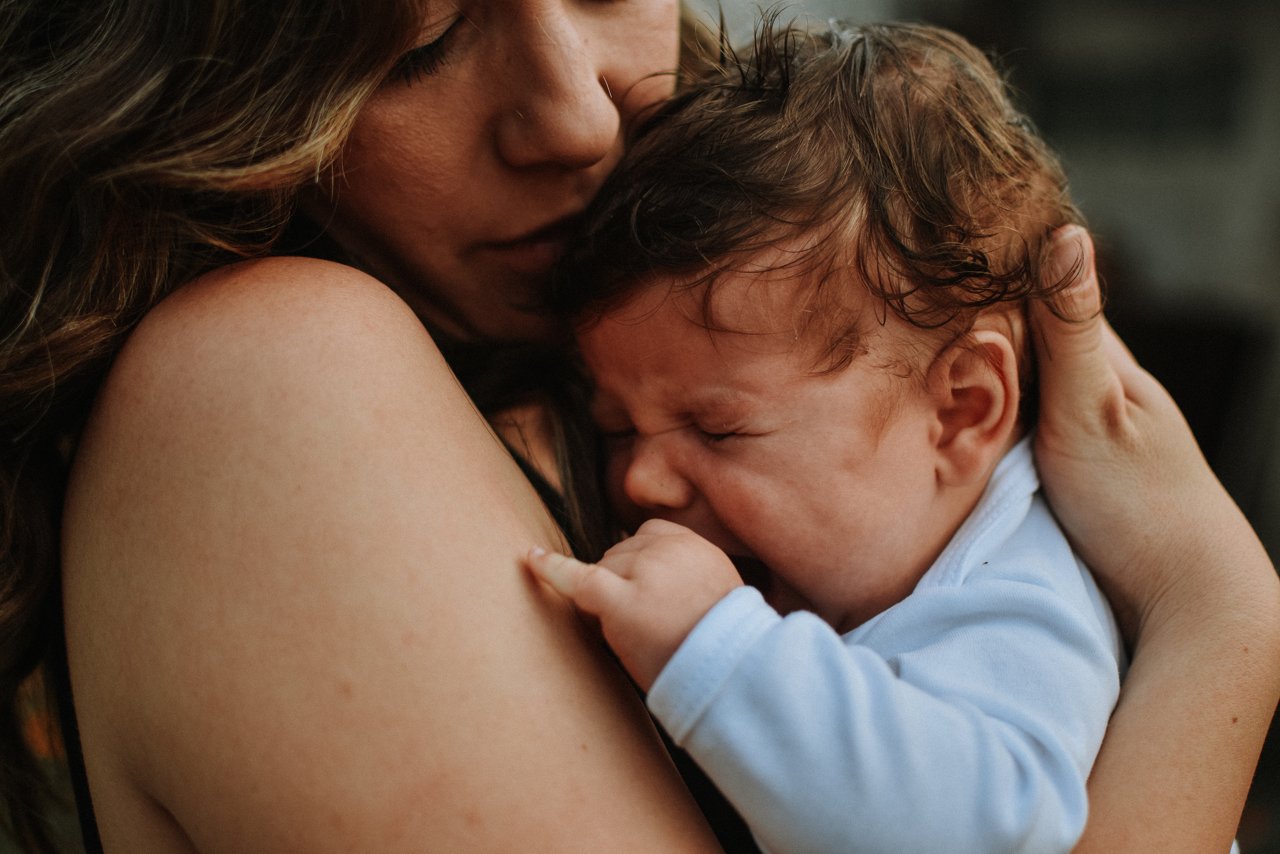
{"x":296,"y":618}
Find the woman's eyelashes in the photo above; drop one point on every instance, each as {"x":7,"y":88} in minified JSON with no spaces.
{"x":424,"y":60}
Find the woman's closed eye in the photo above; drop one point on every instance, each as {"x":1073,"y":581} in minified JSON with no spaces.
{"x":425,"y":60}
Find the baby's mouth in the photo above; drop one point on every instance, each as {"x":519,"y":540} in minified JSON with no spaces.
{"x":778,"y":593}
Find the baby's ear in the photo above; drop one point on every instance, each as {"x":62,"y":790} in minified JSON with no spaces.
{"x":973,"y":384}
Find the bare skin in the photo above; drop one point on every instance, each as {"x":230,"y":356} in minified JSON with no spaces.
{"x":457,"y":186}
{"x":296,"y":617}
{"x":213,"y":695}
{"x":296,"y":620}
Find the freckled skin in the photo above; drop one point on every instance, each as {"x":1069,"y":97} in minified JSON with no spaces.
{"x":515,"y":130}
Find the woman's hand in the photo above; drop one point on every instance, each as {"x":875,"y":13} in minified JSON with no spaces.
{"x":1193,"y":587}
{"x":1119,"y":463}
{"x":648,"y":591}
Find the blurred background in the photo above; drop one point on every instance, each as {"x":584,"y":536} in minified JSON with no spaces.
{"x":1166,"y":114}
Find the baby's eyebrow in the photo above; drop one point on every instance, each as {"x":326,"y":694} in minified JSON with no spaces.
{"x":721,"y":403}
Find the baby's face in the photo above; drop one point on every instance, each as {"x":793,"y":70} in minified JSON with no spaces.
{"x":826,"y":479}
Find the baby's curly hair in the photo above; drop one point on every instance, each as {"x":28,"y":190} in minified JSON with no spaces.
{"x":896,"y":147}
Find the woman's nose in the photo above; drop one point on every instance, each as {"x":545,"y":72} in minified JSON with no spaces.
{"x":652,"y":483}
{"x":560,"y":111}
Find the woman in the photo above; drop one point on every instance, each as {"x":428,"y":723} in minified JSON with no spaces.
{"x":294,"y":614}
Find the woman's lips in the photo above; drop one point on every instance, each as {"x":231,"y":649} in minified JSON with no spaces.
{"x":535,"y":253}
{"x":531,"y":257}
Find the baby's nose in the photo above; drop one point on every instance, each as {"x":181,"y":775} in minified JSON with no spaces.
{"x":653,"y":481}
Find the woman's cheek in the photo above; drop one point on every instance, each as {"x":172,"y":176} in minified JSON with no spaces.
{"x":646,"y":76}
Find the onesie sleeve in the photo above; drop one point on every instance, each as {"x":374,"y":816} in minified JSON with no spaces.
{"x":965,"y":720}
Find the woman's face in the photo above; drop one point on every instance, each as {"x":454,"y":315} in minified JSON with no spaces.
{"x":462,"y":177}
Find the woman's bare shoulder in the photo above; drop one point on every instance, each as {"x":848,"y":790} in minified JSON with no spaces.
{"x":273,"y":362}
{"x":295,"y":613}
{"x":267,"y":306}
{"x":273,"y":366}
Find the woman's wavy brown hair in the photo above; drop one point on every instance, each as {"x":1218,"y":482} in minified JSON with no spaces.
{"x":141,"y":143}
{"x":894,"y":147}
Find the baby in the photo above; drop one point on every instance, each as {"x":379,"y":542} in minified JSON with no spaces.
{"x":801,"y":303}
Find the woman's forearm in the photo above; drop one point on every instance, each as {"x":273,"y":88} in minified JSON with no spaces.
{"x":1179,"y":755}
{"x":1193,"y":588}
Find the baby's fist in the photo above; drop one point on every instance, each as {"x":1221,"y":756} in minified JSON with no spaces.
{"x":649,"y":591}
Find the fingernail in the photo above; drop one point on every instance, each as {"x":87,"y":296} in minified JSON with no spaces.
{"x":1076,"y":297}
{"x":1067,"y":252}
{"x":537,"y":551}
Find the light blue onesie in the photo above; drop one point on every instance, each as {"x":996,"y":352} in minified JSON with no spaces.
{"x":965,"y":718}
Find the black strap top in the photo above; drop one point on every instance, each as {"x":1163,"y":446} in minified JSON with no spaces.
{"x":71,"y":741}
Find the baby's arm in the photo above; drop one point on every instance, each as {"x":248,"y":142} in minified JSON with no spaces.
{"x":648,"y":591}
{"x":966,"y":722}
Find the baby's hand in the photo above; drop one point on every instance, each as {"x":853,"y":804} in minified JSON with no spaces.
{"x":648,"y":591}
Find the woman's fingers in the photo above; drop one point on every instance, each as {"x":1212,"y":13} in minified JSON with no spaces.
{"x":1074,"y":359}
{"x":1086,"y":372}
